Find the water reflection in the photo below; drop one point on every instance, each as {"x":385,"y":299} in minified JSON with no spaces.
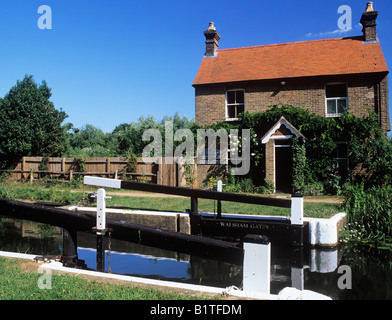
{"x":313,"y":269}
{"x":30,"y":237}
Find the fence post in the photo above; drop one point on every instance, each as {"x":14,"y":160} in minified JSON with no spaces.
{"x":23,"y":168}
{"x":257,"y":264}
{"x":31,"y":176}
{"x":108,"y":166}
{"x":62,"y":164}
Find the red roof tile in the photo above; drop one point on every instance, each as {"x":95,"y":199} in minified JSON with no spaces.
{"x":291,"y":60}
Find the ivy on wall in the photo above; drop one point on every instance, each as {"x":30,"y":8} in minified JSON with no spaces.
{"x":370,"y":152}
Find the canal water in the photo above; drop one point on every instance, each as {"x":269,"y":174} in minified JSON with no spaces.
{"x":323,"y":271}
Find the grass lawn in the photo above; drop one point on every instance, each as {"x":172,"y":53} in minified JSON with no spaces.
{"x":311,"y":209}
{"x":16,"y":283}
{"x":318,"y":208}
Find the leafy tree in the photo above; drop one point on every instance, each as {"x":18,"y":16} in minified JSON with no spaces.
{"x":88,"y":141}
{"x":129,"y":136}
{"x":30,"y":123}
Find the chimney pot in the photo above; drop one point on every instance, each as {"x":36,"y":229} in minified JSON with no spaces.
{"x":369,"y":7}
{"x":212,"y":40}
{"x":211,"y":27}
{"x":369,"y":24}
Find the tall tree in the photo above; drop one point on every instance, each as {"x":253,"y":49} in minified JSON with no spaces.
{"x":30,"y":124}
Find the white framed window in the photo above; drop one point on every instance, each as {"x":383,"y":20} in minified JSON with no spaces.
{"x":235,"y":104}
{"x":336,"y":102}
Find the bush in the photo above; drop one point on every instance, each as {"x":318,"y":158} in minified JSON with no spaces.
{"x":299,"y":165}
{"x":369,"y":211}
{"x":370,"y":153}
{"x":313,"y":189}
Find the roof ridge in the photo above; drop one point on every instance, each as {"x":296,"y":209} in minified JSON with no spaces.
{"x":291,"y":43}
{"x":320,"y":57}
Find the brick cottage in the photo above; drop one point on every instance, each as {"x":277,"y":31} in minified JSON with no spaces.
{"x":328,"y":77}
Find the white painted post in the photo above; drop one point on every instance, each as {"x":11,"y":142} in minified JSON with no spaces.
{"x":257,"y":264}
{"x":101,"y":229}
{"x":101,"y":211}
{"x":297,"y":210}
{"x":219,"y":189}
{"x":219,"y":186}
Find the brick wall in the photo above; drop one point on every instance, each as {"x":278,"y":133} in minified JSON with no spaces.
{"x":210,"y":104}
{"x":365,"y":93}
{"x":385,"y":117}
{"x":270,"y":161}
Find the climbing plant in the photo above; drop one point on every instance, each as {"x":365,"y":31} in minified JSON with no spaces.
{"x":369,"y":149}
{"x":299,"y":164}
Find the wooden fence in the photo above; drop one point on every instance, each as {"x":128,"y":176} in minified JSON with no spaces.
{"x":166,"y":172}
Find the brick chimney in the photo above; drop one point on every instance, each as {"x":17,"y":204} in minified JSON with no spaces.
{"x":212,"y":39}
{"x":368,"y":22}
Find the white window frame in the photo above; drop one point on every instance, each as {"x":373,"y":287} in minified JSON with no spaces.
{"x":336,"y":99}
{"x":235,"y":105}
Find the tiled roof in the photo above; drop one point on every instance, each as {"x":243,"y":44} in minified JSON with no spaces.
{"x":291,"y":60}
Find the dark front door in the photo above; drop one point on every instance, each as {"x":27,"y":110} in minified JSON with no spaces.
{"x":283,"y":169}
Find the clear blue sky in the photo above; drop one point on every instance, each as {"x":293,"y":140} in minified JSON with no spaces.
{"x":110,"y":62}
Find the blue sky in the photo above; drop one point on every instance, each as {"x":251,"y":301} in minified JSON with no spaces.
{"x":111,"y":62}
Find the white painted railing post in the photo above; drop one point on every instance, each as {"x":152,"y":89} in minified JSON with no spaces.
{"x":101,"y":229}
{"x":297,"y":210}
{"x":257,"y":264}
{"x":101,"y":211}
{"x":219,"y":206}
{"x":219,"y":186}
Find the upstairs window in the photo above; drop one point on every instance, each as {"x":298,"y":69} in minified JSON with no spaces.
{"x":235,"y":104}
{"x":336,"y":99}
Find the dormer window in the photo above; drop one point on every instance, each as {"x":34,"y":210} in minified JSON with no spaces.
{"x":336,"y":99}
{"x":235,"y":104}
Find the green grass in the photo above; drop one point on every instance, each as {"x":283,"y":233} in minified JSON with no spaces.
{"x":316,"y":210}
{"x":39,"y":191}
{"x":18,"y":284}
{"x":15,"y":283}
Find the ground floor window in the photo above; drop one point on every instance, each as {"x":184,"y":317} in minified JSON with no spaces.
{"x":341,"y":156}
